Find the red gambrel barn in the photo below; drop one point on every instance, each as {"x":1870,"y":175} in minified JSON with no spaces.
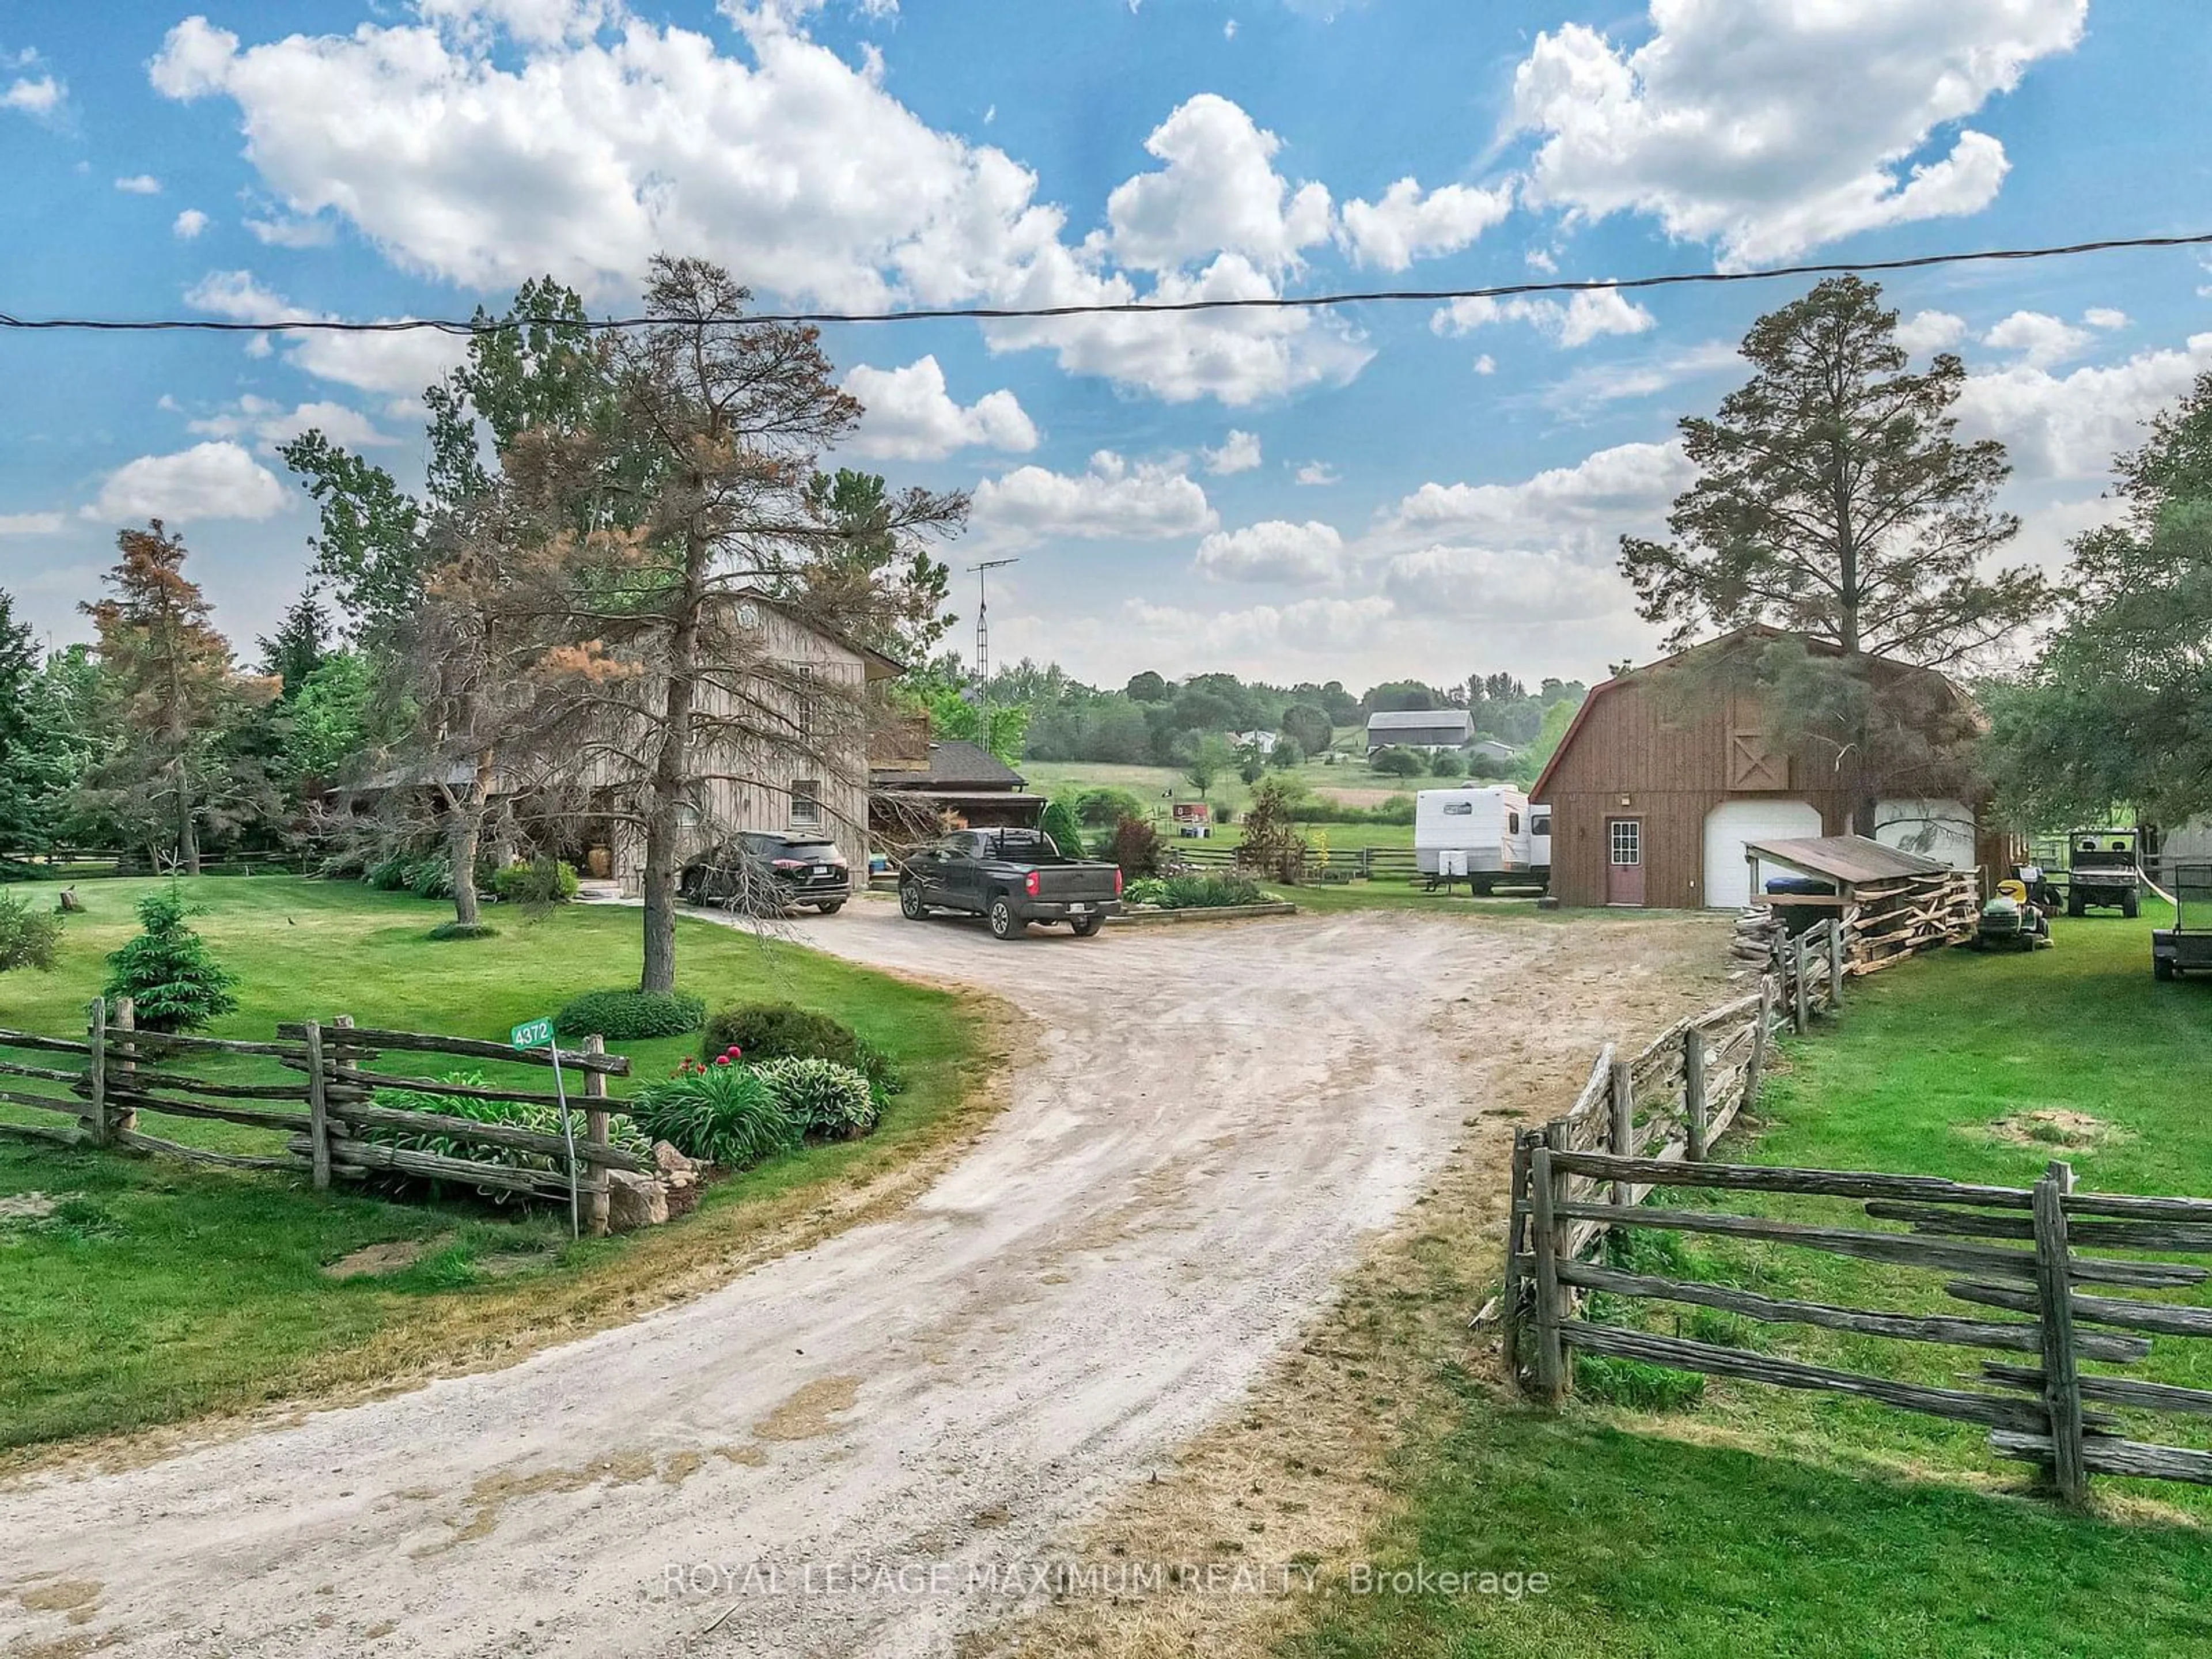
{"x":1669,"y":770}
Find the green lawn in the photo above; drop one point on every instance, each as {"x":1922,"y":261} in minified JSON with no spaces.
{"x":159,"y":1290}
{"x":1760,"y":1520}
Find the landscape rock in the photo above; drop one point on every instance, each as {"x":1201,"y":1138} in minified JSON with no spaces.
{"x":634,"y":1201}
{"x":679,"y":1178}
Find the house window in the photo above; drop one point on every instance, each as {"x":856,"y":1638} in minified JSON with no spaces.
{"x":806,"y":802}
{"x":1627,"y":840}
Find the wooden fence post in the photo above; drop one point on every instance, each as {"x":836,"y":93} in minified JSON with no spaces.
{"x":319,"y":1122}
{"x":123,"y":1015}
{"x":1551,"y":1357}
{"x":1693,"y":1091}
{"x":1516,"y":1221}
{"x":1756,"y":1062}
{"x":595,"y":1133}
{"x":2061,"y":1383}
{"x":95,"y":1037}
{"x":1621,"y":1139}
{"x":1800,"y":1012}
{"x":1836,"y":960}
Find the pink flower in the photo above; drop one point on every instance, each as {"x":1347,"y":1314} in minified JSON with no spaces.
{"x":732,"y":1052}
{"x":721,"y":1059}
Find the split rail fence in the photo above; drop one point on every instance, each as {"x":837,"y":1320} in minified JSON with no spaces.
{"x":327,"y":1112}
{"x":1649,"y":1121}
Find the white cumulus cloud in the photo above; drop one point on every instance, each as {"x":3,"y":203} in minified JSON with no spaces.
{"x":1239,"y":452}
{"x":1772,"y":129}
{"x":1405,"y":225}
{"x":2036,"y":339}
{"x":1925,"y":331}
{"x":2071,"y":425}
{"x":401,"y":364}
{"x":272,"y":424}
{"x":188,"y":224}
{"x":139,"y":184}
{"x":911,"y":416}
{"x":30,"y":524}
{"x":1110,"y":499}
{"x":1588,"y":315}
{"x":1274,"y":550}
{"x":216,"y":480}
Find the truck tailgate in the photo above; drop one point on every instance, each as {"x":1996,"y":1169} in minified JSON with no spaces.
{"x":1075,"y":882}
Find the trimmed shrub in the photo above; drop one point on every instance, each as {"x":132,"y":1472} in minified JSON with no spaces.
{"x":628,"y":1016}
{"x":1059,"y":823}
{"x":1448,"y":765}
{"x":543,"y":881}
{"x":823,"y":1097}
{"x":761,"y":1031}
{"x":168,"y":971}
{"x":1102,"y":805}
{"x":621,"y":1133}
{"x":721,"y":1112}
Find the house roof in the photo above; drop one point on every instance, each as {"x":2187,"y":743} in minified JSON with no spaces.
{"x":1540,"y":790}
{"x":1849,"y":859}
{"x":954,"y":764}
{"x":1420,"y":720}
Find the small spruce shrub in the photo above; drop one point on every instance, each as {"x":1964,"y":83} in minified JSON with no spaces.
{"x":1060,"y":823}
{"x":823,"y":1097}
{"x":545,"y":881}
{"x":628,"y":1016}
{"x":719,"y":1113}
{"x":168,"y":972}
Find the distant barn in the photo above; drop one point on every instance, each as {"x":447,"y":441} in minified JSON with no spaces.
{"x":1430,"y":729}
{"x":1667,"y":774}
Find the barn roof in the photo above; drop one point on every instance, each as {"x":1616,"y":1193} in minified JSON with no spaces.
{"x":1540,"y":790}
{"x":1420,"y":720}
{"x":1849,"y":860}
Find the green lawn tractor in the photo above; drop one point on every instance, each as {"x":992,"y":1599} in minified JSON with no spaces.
{"x":2012,"y":921}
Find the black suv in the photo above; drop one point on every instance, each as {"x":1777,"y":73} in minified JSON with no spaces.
{"x":761,"y":872}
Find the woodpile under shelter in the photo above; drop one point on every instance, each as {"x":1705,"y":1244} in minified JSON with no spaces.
{"x":1890,"y":902}
{"x":1668,"y":772}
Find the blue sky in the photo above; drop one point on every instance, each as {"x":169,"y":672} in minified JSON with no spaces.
{"x":1393,"y":490}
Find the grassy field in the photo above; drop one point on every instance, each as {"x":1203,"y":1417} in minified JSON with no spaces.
{"x":1348,"y":781}
{"x":156,"y":1291}
{"x":1673,"y":1522}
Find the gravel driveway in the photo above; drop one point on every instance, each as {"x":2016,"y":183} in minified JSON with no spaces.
{"x":1209,"y":1122}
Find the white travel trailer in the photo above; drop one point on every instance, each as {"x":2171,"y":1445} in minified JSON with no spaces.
{"x":1492,"y":836}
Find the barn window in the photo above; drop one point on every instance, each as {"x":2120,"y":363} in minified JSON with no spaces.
{"x":806,"y":802}
{"x":1627,"y":840}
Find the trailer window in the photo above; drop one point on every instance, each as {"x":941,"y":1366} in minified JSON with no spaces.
{"x":1512,"y":822}
{"x":1541,"y":824}
{"x":1458,"y":809}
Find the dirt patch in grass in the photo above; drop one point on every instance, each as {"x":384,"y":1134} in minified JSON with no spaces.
{"x":1298,"y":1482}
{"x":372,"y":1260}
{"x":2056,"y":1126}
{"x":29,"y":1207}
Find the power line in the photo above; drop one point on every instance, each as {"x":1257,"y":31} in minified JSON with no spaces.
{"x":1099,"y":308}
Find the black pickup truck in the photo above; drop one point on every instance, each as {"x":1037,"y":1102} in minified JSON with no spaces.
{"x":1014,"y":877}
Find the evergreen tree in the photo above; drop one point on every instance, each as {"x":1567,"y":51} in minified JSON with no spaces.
{"x":168,"y":971}
{"x":301,"y":645}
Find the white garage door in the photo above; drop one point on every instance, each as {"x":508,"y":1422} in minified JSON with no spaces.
{"x":1939,"y":830}
{"x":1733,"y":823}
